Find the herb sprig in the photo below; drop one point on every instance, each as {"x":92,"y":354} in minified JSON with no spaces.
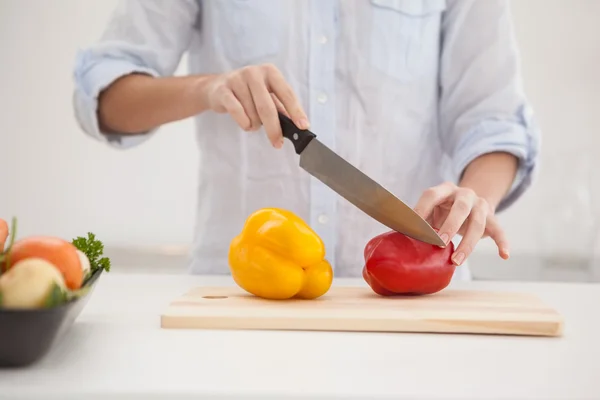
{"x":93,"y":249}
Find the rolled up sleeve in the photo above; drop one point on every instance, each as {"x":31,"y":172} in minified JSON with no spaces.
{"x":142,"y":36}
{"x":483,"y":108}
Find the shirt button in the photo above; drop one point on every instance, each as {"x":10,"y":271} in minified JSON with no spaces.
{"x":323,"y":219}
{"x":322,"y":98}
{"x":323,"y":39}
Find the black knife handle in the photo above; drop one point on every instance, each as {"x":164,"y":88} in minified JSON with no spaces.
{"x":300,"y":138}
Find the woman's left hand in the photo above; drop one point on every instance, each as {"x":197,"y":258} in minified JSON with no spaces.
{"x":457,"y":210}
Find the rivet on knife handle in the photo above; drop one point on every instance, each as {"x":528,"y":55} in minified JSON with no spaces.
{"x":300,"y":138}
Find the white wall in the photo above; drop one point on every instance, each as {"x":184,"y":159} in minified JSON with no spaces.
{"x":59,"y":182}
{"x":56,"y":180}
{"x":560,"y":46}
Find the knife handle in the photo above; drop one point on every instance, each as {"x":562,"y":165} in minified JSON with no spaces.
{"x":300,"y":138}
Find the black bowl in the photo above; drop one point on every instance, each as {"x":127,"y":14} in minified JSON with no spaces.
{"x":27,"y":335}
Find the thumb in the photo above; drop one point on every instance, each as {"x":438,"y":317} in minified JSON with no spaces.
{"x":498,"y":236}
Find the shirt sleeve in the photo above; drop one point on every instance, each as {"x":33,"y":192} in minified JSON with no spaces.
{"x":482,"y":106}
{"x":142,"y":36}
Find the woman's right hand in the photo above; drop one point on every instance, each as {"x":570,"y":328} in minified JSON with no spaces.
{"x":252,"y":96}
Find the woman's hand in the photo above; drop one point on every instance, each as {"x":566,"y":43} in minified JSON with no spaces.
{"x":457,"y":210}
{"x":252,"y":96}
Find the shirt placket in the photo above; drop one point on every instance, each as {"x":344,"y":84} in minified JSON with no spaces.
{"x":322,"y":115}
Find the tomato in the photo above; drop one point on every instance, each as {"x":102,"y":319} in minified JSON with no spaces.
{"x":3,"y":233}
{"x":60,"y":253}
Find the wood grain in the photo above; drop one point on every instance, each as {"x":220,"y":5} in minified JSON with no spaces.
{"x":359,"y":309}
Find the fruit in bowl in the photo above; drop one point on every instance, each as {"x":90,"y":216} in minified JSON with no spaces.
{"x":46,"y":271}
{"x":45,"y":282}
{"x":30,"y":284}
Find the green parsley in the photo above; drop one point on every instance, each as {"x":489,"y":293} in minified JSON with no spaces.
{"x":93,"y":249}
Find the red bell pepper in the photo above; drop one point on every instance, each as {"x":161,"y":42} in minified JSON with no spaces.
{"x":396,"y":264}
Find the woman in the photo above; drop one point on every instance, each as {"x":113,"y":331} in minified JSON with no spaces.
{"x":423,"y":96}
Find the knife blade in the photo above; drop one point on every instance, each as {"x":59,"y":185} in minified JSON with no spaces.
{"x":355,"y":186}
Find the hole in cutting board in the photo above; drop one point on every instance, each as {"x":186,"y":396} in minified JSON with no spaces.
{"x":214,"y":297}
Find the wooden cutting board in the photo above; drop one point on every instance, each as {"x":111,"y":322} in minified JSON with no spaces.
{"x":359,"y":309}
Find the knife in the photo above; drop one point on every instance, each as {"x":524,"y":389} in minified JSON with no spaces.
{"x":356,"y":187}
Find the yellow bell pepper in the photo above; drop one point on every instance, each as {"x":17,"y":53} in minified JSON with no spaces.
{"x":278,"y":256}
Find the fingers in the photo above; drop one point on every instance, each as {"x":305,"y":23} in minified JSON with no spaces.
{"x":497,"y":234}
{"x":253,"y":96}
{"x":284,"y":92}
{"x":266,"y":110}
{"x":464,"y":202}
{"x":279,"y":105}
{"x":469,"y":215}
{"x":476,"y":226}
{"x":432,"y":197}
{"x":234,"y":108}
{"x":242,"y":92}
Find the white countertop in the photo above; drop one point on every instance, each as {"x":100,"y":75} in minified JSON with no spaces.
{"x":117,"y":350}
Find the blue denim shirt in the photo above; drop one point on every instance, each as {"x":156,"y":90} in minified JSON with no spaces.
{"x":409,"y":91}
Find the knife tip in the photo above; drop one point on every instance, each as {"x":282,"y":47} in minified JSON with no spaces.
{"x":435,"y":239}
{"x":439,"y":242}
